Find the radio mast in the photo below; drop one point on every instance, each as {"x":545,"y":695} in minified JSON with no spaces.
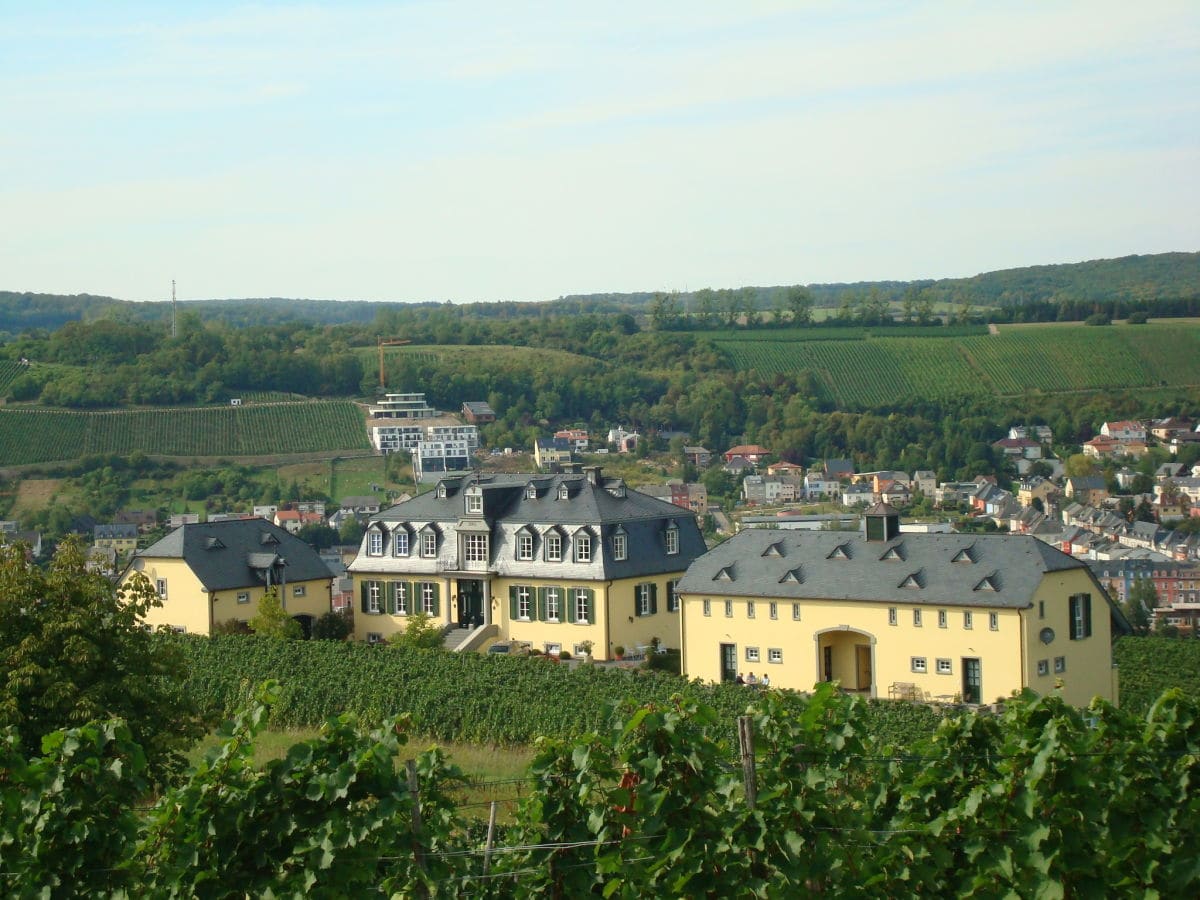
{"x":172,"y":307}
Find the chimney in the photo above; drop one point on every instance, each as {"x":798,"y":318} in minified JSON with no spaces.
{"x":593,"y":474}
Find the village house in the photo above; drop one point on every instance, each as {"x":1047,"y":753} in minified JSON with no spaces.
{"x":950,"y":617}
{"x":552,"y":453}
{"x":563,"y":562}
{"x":478,"y":412}
{"x":119,"y":537}
{"x":213,"y":572}
{"x":1124,"y":431}
{"x":698,"y":456}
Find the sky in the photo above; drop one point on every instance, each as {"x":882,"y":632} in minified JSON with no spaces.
{"x":478,"y":151}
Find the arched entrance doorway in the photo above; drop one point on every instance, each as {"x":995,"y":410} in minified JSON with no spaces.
{"x":306,"y":623}
{"x":847,"y":657}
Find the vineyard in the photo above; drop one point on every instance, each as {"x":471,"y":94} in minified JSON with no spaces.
{"x":1150,"y":665}
{"x":30,"y":435}
{"x":403,"y":363}
{"x":9,"y":370}
{"x":882,"y":367}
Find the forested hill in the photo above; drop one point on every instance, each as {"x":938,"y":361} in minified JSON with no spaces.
{"x":1140,"y":280}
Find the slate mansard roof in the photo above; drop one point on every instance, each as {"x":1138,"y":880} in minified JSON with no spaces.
{"x":990,"y":571}
{"x":567,"y":501}
{"x":238,"y":553}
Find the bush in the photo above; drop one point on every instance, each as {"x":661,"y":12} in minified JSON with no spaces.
{"x":1098,"y":319}
{"x":1141,"y":317}
{"x":333,"y":626}
{"x":421,"y":632}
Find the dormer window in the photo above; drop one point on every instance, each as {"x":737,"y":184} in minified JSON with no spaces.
{"x":672,"y":535}
{"x":429,"y":543}
{"x":620,"y":545}
{"x":553,"y":547}
{"x":474,"y":502}
{"x":564,"y":492}
{"x":583,"y":547}
{"x":525,"y":545}
{"x":374,"y":543}
{"x":441,"y":492}
{"x":530,"y":492}
{"x":400,"y":542}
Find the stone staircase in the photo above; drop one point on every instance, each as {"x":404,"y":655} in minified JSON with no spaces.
{"x":455,"y":637}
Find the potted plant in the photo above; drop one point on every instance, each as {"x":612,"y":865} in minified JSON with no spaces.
{"x":619,"y":651}
{"x":586,"y":648}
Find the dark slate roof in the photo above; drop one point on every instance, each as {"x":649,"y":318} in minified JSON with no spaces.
{"x":994,"y":571}
{"x":234,"y":553}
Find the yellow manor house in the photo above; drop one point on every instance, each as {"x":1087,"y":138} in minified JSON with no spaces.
{"x":563,"y":561}
{"x":950,"y":617}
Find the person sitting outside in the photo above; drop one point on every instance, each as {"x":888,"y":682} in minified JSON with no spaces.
{"x":751,"y":680}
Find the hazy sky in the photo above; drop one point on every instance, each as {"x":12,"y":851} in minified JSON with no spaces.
{"x":497,"y":150}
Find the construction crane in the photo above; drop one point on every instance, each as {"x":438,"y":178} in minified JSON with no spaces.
{"x":387,"y":342}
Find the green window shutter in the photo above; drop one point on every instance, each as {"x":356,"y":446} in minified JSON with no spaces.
{"x":1087,"y":615}
{"x":653,"y":598}
{"x":391,"y":598}
{"x":591,"y":596}
{"x":363,"y":596}
{"x":512,"y":603}
{"x":541,"y":604}
{"x":569,"y":599}
{"x":437,"y":605}
{"x":414,"y":597}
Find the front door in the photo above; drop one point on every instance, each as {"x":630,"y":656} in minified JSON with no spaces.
{"x":972,"y":691}
{"x":470,"y":602}
{"x":728,"y":662}
{"x":827,"y":664}
{"x":862,"y":657}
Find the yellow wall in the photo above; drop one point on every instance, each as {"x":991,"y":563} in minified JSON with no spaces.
{"x":1088,"y":662}
{"x":315,"y":601}
{"x":387,"y":625}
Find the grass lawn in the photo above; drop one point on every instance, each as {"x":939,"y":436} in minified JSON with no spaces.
{"x":484,"y":766}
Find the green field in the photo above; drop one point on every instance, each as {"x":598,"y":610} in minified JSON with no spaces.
{"x":29,"y":435}
{"x":520,"y":362}
{"x":881,"y":367}
{"x":9,"y":370}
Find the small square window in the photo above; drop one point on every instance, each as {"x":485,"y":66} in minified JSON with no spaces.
{"x":945,"y":667}
{"x":729,"y":609}
{"x":916,"y":618}
{"x":580,"y":650}
{"x":968,"y":621}
{"x":943,"y":619}
{"x":1043,"y":667}
{"x":1060,"y":664}
{"x":707,"y":604}
{"x":795,"y":612}
{"x":552,"y":649}
{"x":773,"y":610}
{"x":774,"y":655}
{"x":893,"y":616}
{"x":374,"y":637}
{"x":243,"y":597}
{"x":749,"y":609}
{"x":474,"y":502}
{"x":918,"y":665}
{"x":994,"y":621}
{"x":751,"y":654}
{"x":299,"y":590}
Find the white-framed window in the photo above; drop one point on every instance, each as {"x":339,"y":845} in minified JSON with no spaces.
{"x":707,"y":607}
{"x":160,"y":585}
{"x":672,"y":535}
{"x":428,"y":599}
{"x":374,"y":637}
{"x":299,"y":590}
{"x":400,"y":542}
{"x":1043,"y":667}
{"x":579,"y":650}
{"x":645,"y":599}
{"x":1060,"y":664}
{"x":945,"y":667}
{"x":729,"y":609}
{"x":673,"y":596}
{"x":179,"y":629}
{"x":968,"y":620}
{"x":554,"y":547}
{"x":583,"y":547}
{"x":552,"y":649}
{"x":795,"y":612}
{"x":243,"y":597}
{"x":749,"y":609}
{"x":553,"y":604}
{"x":620,"y":546}
{"x":401,"y":589}
{"x":373,"y":597}
{"x":943,"y":619}
{"x":893,"y":616}
{"x":474,"y":502}
{"x":525,"y":547}
{"x":773,"y":610}
{"x":476,"y":549}
{"x":994,"y":621}
{"x":752,"y":654}
{"x":917,"y":663}
{"x":374,"y":542}
{"x":524,"y":602}
{"x":429,"y":544}
{"x":916,"y":618}
{"x":774,"y":655}
{"x":583,"y":607}
{"x":1080,"y":618}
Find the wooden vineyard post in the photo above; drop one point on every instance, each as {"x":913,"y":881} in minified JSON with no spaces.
{"x":746,"y":743}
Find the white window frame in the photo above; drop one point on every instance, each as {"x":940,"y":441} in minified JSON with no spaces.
{"x":795,"y":612}
{"x":474,"y":503}
{"x":916,"y":618}
{"x":400,"y":542}
{"x":374,"y":542}
{"x":672,"y":538}
{"x":919,"y":665}
{"x":620,"y":546}
{"x":429,"y":544}
{"x":475,"y":547}
{"x":583,"y":547}
{"x":773,"y":610}
{"x":644,"y":591}
{"x":706,"y":607}
{"x":554,"y":544}
{"x":944,"y":666}
{"x":299,"y":590}
{"x":374,"y":637}
{"x":401,"y":598}
{"x":749,"y":609}
{"x":243,"y":596}
{"x":1043,"y":667}
{"x":580,"y":600}
{"x":968,"y":620}
{"x":1060,"y":665}
{"x":552,"y":649}
{"x":752,"y":654}
{"x":994,"y":621}
{"x":525,"y":547}
{"x":893,"y":616}
{"x":374,"y":597}
{"x":943,"y":619}
{"x":729,"y":609}
{"x":160,"y":587}
{"x":524,"y":602}
{"x":427,"y":597}
{"x":553,"y":604}
{"x":774,"y":655}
